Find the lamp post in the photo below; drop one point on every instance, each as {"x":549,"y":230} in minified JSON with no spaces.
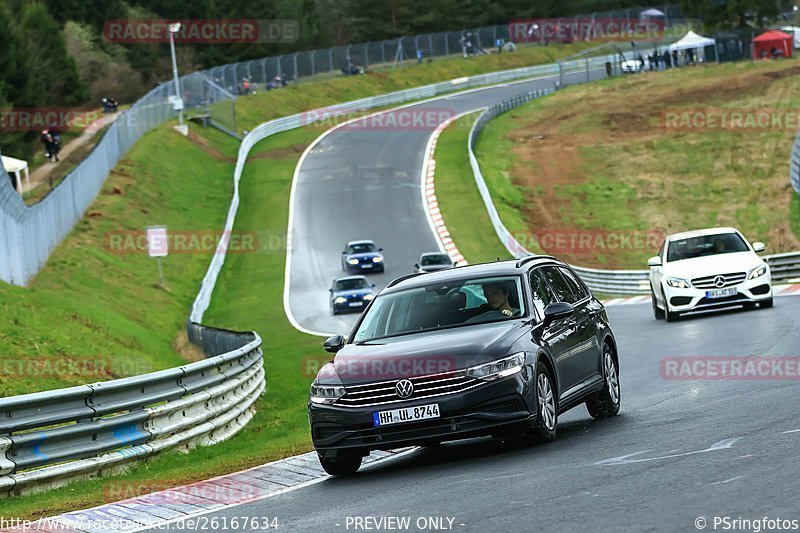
{"x":174,"y":28}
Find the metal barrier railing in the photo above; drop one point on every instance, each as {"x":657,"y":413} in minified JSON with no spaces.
{"x":49,"y":438}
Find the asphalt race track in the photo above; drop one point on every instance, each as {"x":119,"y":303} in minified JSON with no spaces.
{"x":678,"y":450}
{"x":365,"y":183}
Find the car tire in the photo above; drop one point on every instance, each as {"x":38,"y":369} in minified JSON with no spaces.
{"x":546,"y":424}
{"x":346,"y":465}
{"x":606,"y":403}
{"x":658,"y":313}
{"x":766,"y":304}
{"x":671,"y":317}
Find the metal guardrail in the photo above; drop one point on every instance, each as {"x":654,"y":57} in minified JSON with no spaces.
{"x":783,"y":267}
{"x":48,"y":438}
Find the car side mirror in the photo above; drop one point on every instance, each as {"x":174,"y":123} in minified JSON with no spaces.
{"x":654,"y":261}
{"x":344,"y":253}
{"x":334,"y":344}
{"x":416,"y":265}
{"x":557,"y":311}
{"x":759,"y":247}
{"x":373,"y":285}
{"x":455,"y":264}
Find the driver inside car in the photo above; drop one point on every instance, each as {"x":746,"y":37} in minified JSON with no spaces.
{"x":496,"y":302}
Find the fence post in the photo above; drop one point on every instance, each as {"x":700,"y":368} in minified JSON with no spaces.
{"x":313,"y":62}
{"x":278,"y":61}
{"x":366,"y":56}
{"x":446,"y":43}
{"x":294,"y":60}
{"x":330,"y":58}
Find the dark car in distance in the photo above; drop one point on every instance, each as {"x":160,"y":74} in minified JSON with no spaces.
{"x":498,"y":349}
{"x":362,"y":256}
{"x":433,"y":262}
{"x":353,"y":293}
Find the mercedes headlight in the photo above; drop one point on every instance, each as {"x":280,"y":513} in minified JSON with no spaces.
{"x":353,"y":261}
{"x":369,"y":297}
{"x":339,"y":300}
{"x":326,"y":394}
{"x":498,"y":369}
{"x":757,"y":272}
{"x":377,"y":259}
{"x":679,"y":283}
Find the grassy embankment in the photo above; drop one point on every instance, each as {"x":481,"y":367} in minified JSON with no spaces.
{"x":601,"y":160}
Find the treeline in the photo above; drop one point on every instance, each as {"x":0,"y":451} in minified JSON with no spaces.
{"x":53,"y":52}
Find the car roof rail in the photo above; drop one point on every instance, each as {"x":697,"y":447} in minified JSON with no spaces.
{"x":530,"y":258}
{"x":403,"y":278}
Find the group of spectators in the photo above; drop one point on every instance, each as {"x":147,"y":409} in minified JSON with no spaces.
{"x":667,"y":59}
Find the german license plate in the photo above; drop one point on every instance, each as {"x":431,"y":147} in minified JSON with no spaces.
{"x":405,"y":415}
{"x":721,"y":293}
{"x":356,"y":304}
{"x":366,"y":265}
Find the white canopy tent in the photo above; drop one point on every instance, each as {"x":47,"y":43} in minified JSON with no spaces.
{"x":691,"y":40}
{"x":795,"y":31}
{"x":17,"y":167}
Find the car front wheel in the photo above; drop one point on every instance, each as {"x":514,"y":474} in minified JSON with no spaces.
{"x":346,"y":465}
{"x":658,"y":313}
{"x":544,"y":429}
{"x":606,"y":403}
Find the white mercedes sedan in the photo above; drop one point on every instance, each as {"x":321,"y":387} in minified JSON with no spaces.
{"x":708,"y":269}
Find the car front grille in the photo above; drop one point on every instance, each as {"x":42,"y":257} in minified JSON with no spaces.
{"x":424,"y":387}
{"x":709,"y":282}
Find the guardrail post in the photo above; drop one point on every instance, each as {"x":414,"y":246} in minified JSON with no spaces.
{"x":6,"y":465}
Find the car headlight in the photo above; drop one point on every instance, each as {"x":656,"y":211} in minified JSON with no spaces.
{"x":369,"y":297}
{"x":377,"y":259}
{"x":757,"y":272}
{"x":326,"y":394}
{"x":679,"y":283}
{"x":498,"y":369}
{"x":339,"y":300}
{"x":353,"y":261}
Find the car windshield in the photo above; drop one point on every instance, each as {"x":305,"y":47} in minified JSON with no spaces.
{"x":443,"y":305}
{"x":435,"y":259}
{"x":362,"y":248}
{"x":721,"y":243}
{"x":351,"y":284}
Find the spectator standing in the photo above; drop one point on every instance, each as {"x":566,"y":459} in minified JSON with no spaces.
{"x":674,"y":58}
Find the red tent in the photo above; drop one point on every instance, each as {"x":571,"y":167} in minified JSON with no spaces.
{"x":764,"y":43}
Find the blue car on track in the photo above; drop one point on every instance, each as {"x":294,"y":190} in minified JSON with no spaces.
{"x":352,"y":293}
{"x":362,"y":256}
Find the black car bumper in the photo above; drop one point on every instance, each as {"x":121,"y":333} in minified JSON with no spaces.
{"x":362,"y":268}
{"x":506,"y":406}
{"x":347,"y":308}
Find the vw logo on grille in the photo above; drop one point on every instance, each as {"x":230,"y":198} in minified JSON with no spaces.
{"x":404,"y":388}
{"x":719,"y":281}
